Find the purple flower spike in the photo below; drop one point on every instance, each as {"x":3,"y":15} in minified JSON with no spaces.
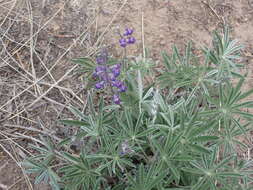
{"x":122,"y":88}
{"x":100,"y":85}
{"x":123,"y":42}
{"x":106,"y":75}
{"x":128,"y":32}
{"x":131,"y":40}
{"x":116,"y":99}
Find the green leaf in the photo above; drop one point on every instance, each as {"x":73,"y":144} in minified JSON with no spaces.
{"x":78,"y":113}
{"x":200,"y":149}
{"x":248,"y":104}
{"x":204,"y":139}
{"x":42,"y":177}
{"x":244,"y":114}
{"x":64,"y":142}
{"x":229,"y":174}
{"x":198,"y":185}
{"x":246,"y":94}
{"x":182,"y":158}
{"x":193,"y":171}
{"x":148,"y":93}
{"x":197,"y":131}
{"x":86,"y":63}
{"x":166,"y":61}
{"x":223,"y":162}
{"x":146,"y":132}
{"x":99,"y":156}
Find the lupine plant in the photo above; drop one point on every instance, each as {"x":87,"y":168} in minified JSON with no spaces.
{"x":183,"y":131}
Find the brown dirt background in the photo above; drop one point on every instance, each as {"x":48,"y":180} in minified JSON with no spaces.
{"x":39,"y":37}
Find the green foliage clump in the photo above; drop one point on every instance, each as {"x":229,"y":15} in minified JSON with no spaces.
{"x":179,"y":133}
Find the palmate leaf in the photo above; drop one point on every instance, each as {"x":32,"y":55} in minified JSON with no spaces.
{"x":180,"y":70}
{"x":41,"y":164}
{"x":231,"y":104}
{"x":225,"y":54}
{"x":172,"y":155}
{"x":92,"y":124}
{"x":78,"y":173}
{"x":229,"y":138}
{"x":212,"y":173}
{"x":188,"y":75}
{"x":146,"y":178}
{"x":43,"y":171}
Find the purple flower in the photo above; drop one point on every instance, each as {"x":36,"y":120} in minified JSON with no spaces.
{"x":104,"y":77}
{"x":122,"y":153}
{"x":116,"y":72}
{"x":116,"y":99}
{"x":123,"y":42}
{"x":122,"y":88}
{"x":131,"y":40}
{"x":116,"y":66}
{"x":117,"y":83}
{"x":100,"y":60}
{"x":128,"y":32}
{"x":100,"y":85}
{"x":100,"y":69}
{"x":111,"y":77}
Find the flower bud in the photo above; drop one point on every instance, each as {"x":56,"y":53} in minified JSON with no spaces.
{"x":100,"y":85}
{"x":131,"y":40}
{"x":101,"y":60}
{"x":123,"y":42}
{"x":116,"y":72}
{"x":117,"y":83}
{"x":128,"y":32}
{"x":100,"y":68}
{"x":111,"y":77}
{"x":116,"y":99}
{"x":116,"y":66}
{"x":122,"y":88}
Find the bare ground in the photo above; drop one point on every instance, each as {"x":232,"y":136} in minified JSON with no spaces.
{"x":38,"y":38}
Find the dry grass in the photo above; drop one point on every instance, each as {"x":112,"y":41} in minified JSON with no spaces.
{"x":35,"y":91}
